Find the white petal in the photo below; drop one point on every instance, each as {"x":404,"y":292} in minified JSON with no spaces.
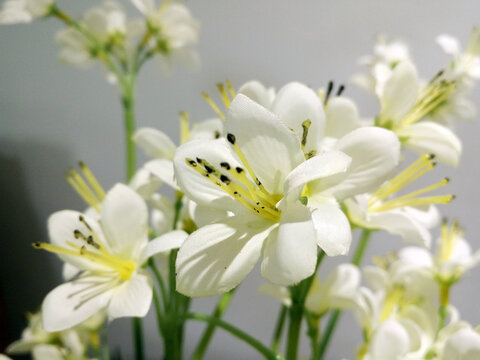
{"x":376,"y":278}
{"x":61,"y":227}
{"x":390,"y":341}
{"x":272,"y":150}
{"x":69,"y":304}
{"x":342,"y":117}
{"x":464,"y":345}
{"x":132,"y":298}
{"x":278,"y":292}
{"x":162,"y":169}
{"x":207,"y":129}
{"x":449,"y":44}
{"x":125,"y":222}
{"x":144,"y":183}
{"x":44,"y":352}
{"x":296,"y":103}
{"x":400,"y":223}
{"x":196,"y":186}
{"x":429,"y":217}
{"x":416,"y":256}
{"x":167,"y":242}
{"x":69,"y":271}
{"x":429,"y":137}
{"x":256,"y":91}
{"x":154,"y":143}
{"x":375,"y":153}
{"x":290,"y":251}
{"x":162,"y":213}
{"x":333,"y":232}
{"x":217,"y":257}
{"x":400,"y":92}
{"x":204,"y":215}
{"x":325,"y":165}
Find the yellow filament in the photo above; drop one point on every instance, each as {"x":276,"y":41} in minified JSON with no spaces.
{"x":449,"y":238}
{"x":428,"y":200}
{"x":184,"y":128}
{"x":84,"y":194}
{"x":433,"y":96}
{"x":124,"y":268}
{"x":213,"y":106}
{"x":230,"y":88}
{"x":92,"y":180}
{"x":410,"y":174}
{"x":392,"y":301}
{"x":223,"y":95}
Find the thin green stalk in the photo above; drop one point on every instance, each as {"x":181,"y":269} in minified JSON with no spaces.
{"x":158,"y":310}
{"x":128,"y":101}
{"x":298,"y":295}
{"x":312,"y":324}
{"x":138,"y":335}
{"x":282,"y":315}
{"x":335,"y":315}
{"x":160,"y":282}
{"x":257,"y":345}
{"x":208,"y":333}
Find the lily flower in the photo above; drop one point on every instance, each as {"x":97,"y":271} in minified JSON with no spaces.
{"x":259,"y":178}
{"x":110,"y":254}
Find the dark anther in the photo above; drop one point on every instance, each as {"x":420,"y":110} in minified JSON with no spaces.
{"x":209,"y":169}
{"x":340,"y":90}
{"x":36,"y":244}
{"x":225,"y":165}
{"x":239,"y":170}
{"x":217,"y":134}
{"x":329,"y":91}
{"x":258,"y":182}
{"x":231,"y":138}
{"x":224,"y":179}
{"x":192,"y":163}
{"x":199,"y":160}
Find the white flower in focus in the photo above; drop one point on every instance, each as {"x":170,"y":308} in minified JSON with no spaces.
{"x":259,"y":177}
{"x":24,"y":11}
{"x":110,"y":255}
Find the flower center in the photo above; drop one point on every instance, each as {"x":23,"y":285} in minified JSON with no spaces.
{"x":247,"y":189}
{"x":419,"y":168}
{"x":93,"y":250}
{"x":430,"y":98}
{"x":448,"y":240}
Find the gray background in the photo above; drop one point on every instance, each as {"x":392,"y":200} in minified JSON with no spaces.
{"x":51,"y":116}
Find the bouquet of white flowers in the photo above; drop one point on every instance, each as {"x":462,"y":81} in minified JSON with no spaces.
{"x":279,"y":178}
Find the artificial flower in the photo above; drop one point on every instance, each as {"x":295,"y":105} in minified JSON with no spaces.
{"x":110,"y":254}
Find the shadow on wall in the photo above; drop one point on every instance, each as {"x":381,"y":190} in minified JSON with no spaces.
{"x":31,"y":190}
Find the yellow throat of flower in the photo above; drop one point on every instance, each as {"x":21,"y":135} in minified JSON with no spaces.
{"x":424,"y":164}
{"x":93,"y":250}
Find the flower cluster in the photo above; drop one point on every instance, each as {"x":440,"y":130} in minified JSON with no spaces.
{"x":276,"y":177}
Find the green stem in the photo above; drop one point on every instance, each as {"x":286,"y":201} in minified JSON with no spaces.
{"x":298,"y":295}
{"x":138,"y":334}
{"x":257,"y":345}
{"x":335,"y":316}
{"x":312,"y":324}
{"x":207,"y":335}
{"x":282,"y":315}
{"x":160,"y":281}
{"x":158,"y":310}
{"x":128,"y":101}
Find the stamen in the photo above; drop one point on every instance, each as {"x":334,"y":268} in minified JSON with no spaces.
{"x":213,"y":106}
{"x":407,"y":176}
{"x":93,"y":180}
{"x":329,"y":91}
{"x":230,"y":89}
{"x":184,"y":128}
{"x":224,"y":95}
{"x":449,"y":239}
{"x":340,"y":90}
{"x":305,"y":126}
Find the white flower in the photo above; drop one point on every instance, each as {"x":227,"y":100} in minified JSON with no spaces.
{"x":463,"y":344}
{"x":110,"y":254}
{"x":259,"y":177}
{"x":106,"y":23}
{"x":24,"y":11}
{"x":173,"y":28}
{"x":404,"y":106}
{"x":452,"y":258}
{"x":338,"y":291}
